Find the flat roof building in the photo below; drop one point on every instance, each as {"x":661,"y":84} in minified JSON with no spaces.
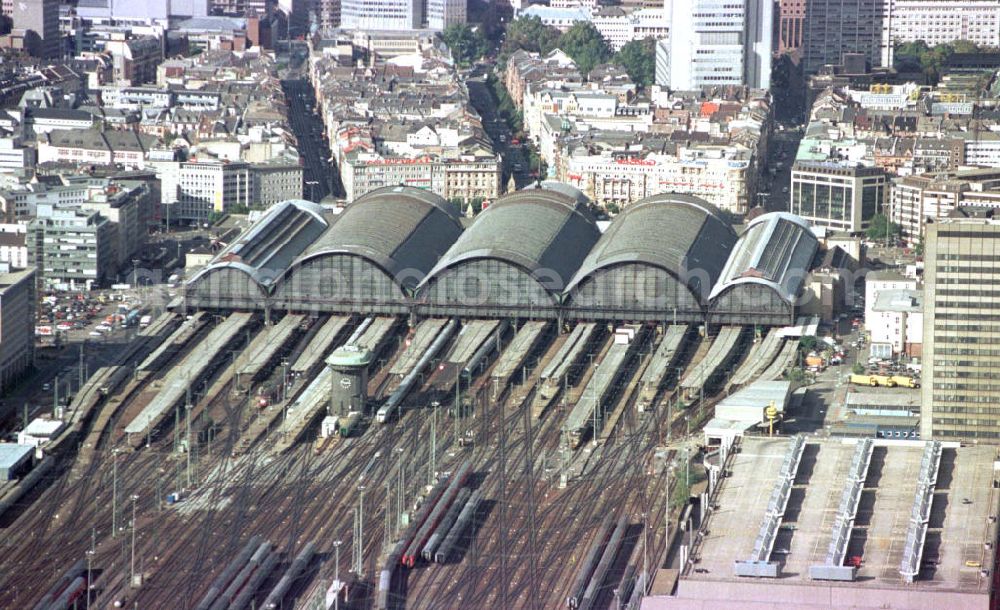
{"x":959,"y":385}
{"x":17,"y":315}
{"x":14,"y":460}
{"x":845,"y":523}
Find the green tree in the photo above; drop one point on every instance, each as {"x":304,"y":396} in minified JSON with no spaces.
{"x":638,"y":57}
{"x":858,"y":369}
{"x":530,"y":34}
{"x":807,"y":343}
{"x":917,"y":56}
{"x":466,"y":45}
{"x":880,"y":228}
{"x":585,"y":45}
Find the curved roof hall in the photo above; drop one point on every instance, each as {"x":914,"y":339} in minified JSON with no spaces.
{"x":397,"y":228}
{"x":535,"y":229}
{"x":776,"y":250}
{"x":266,"y":250}
{"x":678,"y":233}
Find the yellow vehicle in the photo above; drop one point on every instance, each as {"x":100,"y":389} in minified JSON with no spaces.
{"x":973,"y":564}
{"x":906,"y":382}
{"x":886,"y":381}
{"x":874,"y":380}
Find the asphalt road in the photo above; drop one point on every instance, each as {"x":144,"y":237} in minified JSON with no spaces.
{"x":782,"y":150}
{"x":319,"y":177}
{"x":499,"y":132}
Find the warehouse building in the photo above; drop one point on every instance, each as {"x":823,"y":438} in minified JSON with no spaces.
{"x":638,"y":270}
{"x":515,"y":259}
{"x":373,"y":256}
{"x":765,"y":272}
{"x":241,"y":275}
{"x":533,"y":254}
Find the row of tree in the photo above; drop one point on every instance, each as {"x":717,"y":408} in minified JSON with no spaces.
{"x":582,"y":42}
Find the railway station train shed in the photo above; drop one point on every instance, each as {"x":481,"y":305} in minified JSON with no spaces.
{"x":373,"y":255}
{"x":242,"y":275}
{"x":514,"y":260}
{"x":765,"y":272}
{"x":662,"y":254}
{"x":535,"y":253}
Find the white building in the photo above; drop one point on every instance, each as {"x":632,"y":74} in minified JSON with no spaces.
{"x":983,"y":152}
{"x":46,"y":120}
{"x":839,"y":196}
{"x":883,"y":281}
{"x":13,"y":246}
{"x":193,"y":190}
{"x":442,"y":13}
{"x":662,"y":77}
{"x":897,"y":320}
{"x":15,"y":157}
{"x":720,"y":42}
{"x":618,"y":26}
{"x":560,"y":18}
{"x":381,"y":14}
{"x":39,"y":432}
{"x":717,"y":175}
{"x":938,"y":21}
{"x":141,"y":11}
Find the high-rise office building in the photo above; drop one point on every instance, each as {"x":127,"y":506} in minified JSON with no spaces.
{"x":791,"y":20}
{"x":442,"y":13}
{"x":38,"y":21}
{"x":938,"y":21}
{"x":381,"y":14}
{"x":835,"y":27}
{"x":960,"y":385}
{"x":720,"y":42}
{"x":842,"y":197}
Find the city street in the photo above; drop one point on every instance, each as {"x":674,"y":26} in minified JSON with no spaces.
{"x":515,"y":161}
{"x":783,"y":147}
{"x":318,"y":176}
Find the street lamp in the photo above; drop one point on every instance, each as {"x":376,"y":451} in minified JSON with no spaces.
{"x":114,"y":491}
{"x":132,"y":568}
{"x":90,"y":555}
{"x":336,"y":573}
{"x":596,"y":400}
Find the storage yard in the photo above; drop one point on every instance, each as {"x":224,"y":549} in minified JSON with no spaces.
{"x":509,"y":452}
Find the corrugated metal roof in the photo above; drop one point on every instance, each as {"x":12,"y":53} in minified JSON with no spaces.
{"x":678,"y":233}
{"x":398,"y":228}
{"x":776,"y":250}
{"x":535,"y":229}
{"x":266,"y":250}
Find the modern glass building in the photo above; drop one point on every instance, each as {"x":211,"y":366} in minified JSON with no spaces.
{"x":839,"y":196}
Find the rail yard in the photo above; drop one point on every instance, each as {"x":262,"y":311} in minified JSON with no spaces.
{"x":293,"y":449}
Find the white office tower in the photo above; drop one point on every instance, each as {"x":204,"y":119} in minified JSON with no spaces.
{"x":663,"y":62}
{"x":381,"y":14}
{"x":140,"y":10}
{"x":442,"y":13}
{"x":719,"y":43}
{"x":759,"y":43}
